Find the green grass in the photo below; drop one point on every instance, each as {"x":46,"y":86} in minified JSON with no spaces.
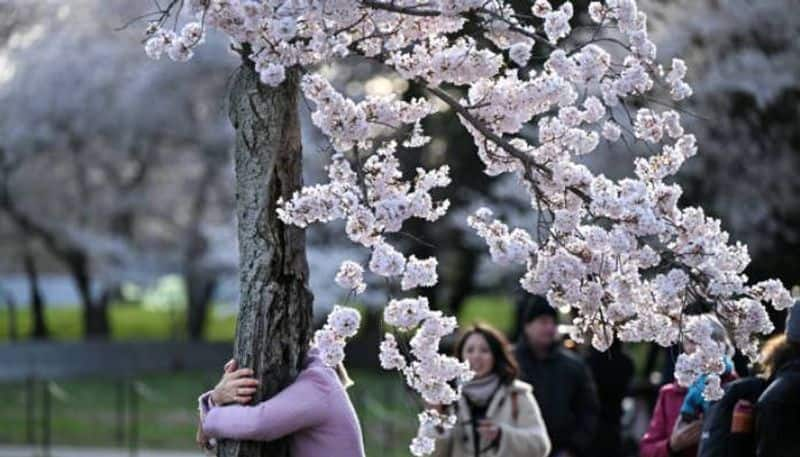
{"x":134,"y":322}
{"x":128,"y":322}
{"x":497,"y":311}
{"x":64,"y":324}
{"x":388,"y":413}
{"x":87,"y":414}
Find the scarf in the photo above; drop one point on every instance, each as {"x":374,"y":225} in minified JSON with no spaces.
{"x":479,"y":391}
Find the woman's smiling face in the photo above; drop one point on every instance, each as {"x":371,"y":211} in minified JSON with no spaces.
{"x":477,"y":352}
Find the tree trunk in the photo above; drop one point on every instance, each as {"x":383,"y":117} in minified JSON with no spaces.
{"x":96,"y":324}
{"x":95,"y":315}
{"x":95,"y":310}
{"x":199,"y":289}
{"x":39,"y":331}
{"x":273,"y":329}
{"x":200,"y":280}
{"x":11,"y":304}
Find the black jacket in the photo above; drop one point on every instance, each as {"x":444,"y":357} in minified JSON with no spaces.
{"x":612,"y":371}
{"x":566,"y":393}
{"x":778,"y":414}
{"x":716,"y":439}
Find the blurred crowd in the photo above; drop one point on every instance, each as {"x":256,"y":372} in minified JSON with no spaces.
{"x":544,"y":396}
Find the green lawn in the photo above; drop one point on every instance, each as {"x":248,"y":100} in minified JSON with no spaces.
{"x":128,"y":322}
{"x":497,"y":311}
{"x":134,"y":322}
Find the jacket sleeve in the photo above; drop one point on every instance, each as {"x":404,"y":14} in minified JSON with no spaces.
{"x":771,"y":436}
{"x":529,"y":435}
{"x":655,"y":441}
{"x":693,"y":401}
{"x":586,"y":405}
{"x":204,"y":403}
{"x":300,"y":405}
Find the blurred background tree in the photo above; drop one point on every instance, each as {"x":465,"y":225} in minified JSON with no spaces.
{"x":744,"y":63}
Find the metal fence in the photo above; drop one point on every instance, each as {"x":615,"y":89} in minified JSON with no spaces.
{"x":45,"y":377}
{"x":43,"y":367}
{"x":44,"y":380}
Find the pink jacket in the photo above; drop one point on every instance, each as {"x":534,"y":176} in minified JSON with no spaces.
{"x":666,"y":413}
{"x":315,"y":410}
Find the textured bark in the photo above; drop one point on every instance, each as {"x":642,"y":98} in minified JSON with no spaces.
{"x":274,"y":324}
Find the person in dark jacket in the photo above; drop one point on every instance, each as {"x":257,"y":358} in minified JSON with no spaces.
{"x":728,"y":427}
{"x":562,"y":383}
{"x":778,"y":408}
{"x":718,"y":437}
{"x":613,"y":372}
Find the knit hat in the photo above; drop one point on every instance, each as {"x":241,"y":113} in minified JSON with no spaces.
{"x":793,"y":324}
{"x":536,"y":306}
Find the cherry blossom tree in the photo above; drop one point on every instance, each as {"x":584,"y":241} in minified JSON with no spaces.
{"x":621,"y":253}
{"x":137,"y":167}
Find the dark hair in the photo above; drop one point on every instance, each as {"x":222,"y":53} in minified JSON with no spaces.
{"x":775,"y":353}
{"x":505,"y":365}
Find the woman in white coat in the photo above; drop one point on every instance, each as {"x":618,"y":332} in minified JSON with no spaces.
{"x":497,"y":415}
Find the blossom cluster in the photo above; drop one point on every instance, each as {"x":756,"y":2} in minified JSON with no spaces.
{"x":351,"y":124}
{"x":438,"y":61}
{"x":279,"y":35}
{"x":556,"y":22}
{"x":505,"y":247}
{"x":179,"y":47}
{"x":379,"y":204}
{"x":709,"y":361}
{"x":430,"y":373}
{"x":351,"y":277}
{"x":330,"y":340}
{"x":431,"y":425}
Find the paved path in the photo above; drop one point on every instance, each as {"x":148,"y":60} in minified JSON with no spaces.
{"x":67,"y":451}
